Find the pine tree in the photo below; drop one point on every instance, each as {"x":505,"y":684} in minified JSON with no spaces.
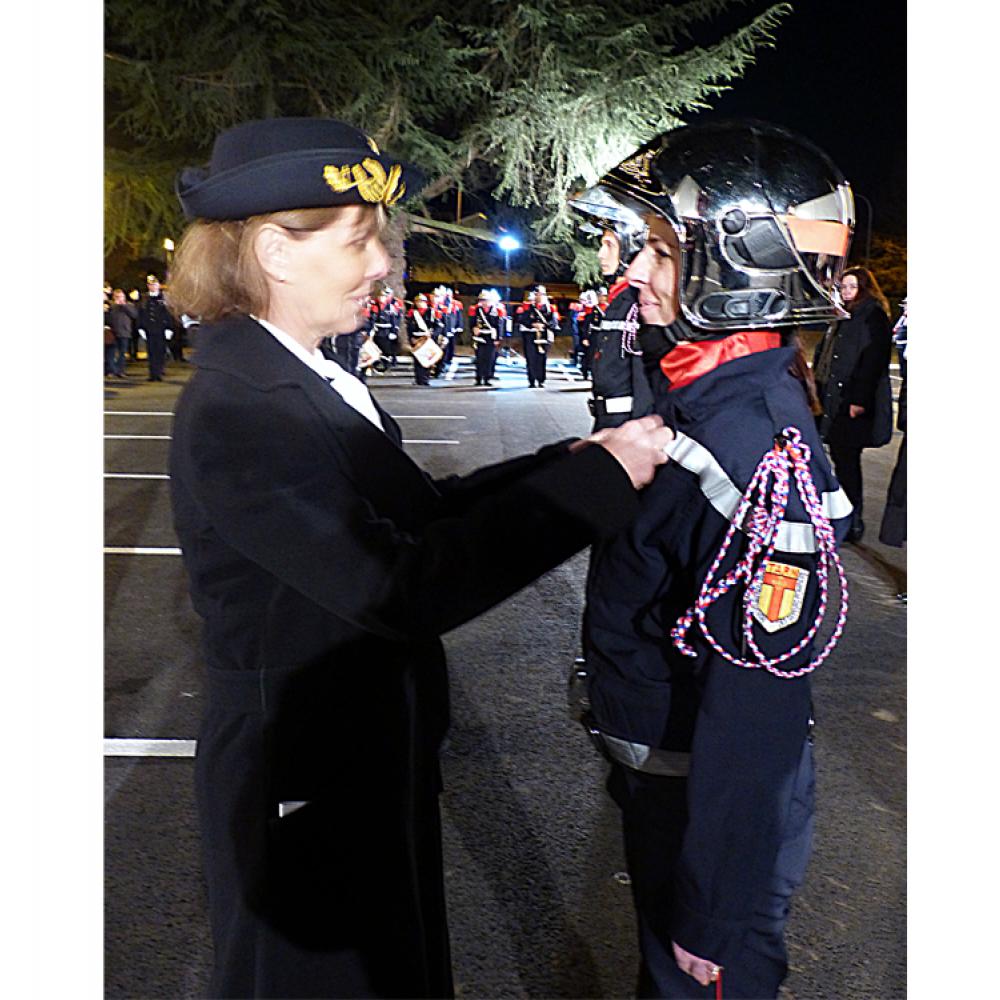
{"x":522,"y":101}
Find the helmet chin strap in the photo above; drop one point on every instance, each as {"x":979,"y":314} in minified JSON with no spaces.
{"x":657,"y":341}
{"x":682,"y":330}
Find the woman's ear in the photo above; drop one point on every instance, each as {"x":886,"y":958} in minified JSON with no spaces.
{"x":271,"y":249}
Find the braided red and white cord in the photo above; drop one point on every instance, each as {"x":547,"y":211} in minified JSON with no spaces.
{"x":789,"y":458}
{"x":630,"y":330}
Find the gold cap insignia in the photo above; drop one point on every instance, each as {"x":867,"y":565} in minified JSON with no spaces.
{"x":638,"y":167}
{"x":371,"y":180}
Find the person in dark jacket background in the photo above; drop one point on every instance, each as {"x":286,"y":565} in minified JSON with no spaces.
{"x":620,"y":390}
{"x":851,"y":369}
{"x":156,"y":324}
{"x":487,"y":321}
{"x":122,"y":318}
{"x":326,"y":565}
{"x":422,"y":324}
{"x":893,"y":528}
{"x":538,"y":324}
{"x":383,"y":325}
{"x":700,"y":622}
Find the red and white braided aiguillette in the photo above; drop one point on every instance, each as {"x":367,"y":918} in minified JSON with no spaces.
{"x":762,"y":510}
{"x":630,"y":331}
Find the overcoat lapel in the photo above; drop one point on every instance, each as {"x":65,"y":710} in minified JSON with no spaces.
{"x":243,"y":348}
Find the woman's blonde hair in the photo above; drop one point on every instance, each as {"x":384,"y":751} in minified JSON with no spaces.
{"x":216,"y":272}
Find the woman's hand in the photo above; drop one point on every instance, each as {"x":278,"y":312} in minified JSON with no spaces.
{"x":639,"y":445}
{"x":700,"y":969}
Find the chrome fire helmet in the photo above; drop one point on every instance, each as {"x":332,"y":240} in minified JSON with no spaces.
{"x":763,"y":217}
{"x":631,"y":239}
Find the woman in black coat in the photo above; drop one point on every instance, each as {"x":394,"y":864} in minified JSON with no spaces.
{"x":851,"y":368}
{"x":326,"y":565}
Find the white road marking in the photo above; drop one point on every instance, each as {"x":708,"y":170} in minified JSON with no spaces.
{"x":426,"y":416}
{"x":138,"y":437}
{"x":112,"y":550}
{"x":138,"y":413}
{"x":149,"y":748}
{"x":428,"y":441}
{"x":135,"y":475}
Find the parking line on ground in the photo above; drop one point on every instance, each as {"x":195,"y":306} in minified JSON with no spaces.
{"x":149,"y":748}
{"x":138,"y":413}
{"x":428,"y":441}
{"x":135,"y":475}
{"x":119,"y":550}
{"x":138,"y":437}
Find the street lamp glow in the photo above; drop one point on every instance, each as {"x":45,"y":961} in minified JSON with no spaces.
{"x":168,"y":244}
{"x":508,"y":243}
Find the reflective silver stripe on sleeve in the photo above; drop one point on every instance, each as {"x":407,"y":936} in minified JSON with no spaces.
{"x":650,"y":760}
{"x":722,"y":494}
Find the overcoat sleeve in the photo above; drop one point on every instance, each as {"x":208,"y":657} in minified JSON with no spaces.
{"x":275,"y":491}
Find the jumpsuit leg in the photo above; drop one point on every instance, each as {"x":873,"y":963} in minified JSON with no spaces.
{"x":654,"y":814}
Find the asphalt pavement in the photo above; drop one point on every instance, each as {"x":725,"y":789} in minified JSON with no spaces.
{"x":538,"y":892}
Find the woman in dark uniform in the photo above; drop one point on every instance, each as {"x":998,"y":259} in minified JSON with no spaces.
{"x":326,"y":565}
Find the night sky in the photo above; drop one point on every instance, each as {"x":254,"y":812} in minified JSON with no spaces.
{"x":838,"y":76}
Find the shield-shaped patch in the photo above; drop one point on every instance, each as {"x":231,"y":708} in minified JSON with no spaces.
{"x":778,"y":596}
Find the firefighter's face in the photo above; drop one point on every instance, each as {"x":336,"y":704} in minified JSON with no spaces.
{"x":609,"y":252}
{"x":654,"y":272}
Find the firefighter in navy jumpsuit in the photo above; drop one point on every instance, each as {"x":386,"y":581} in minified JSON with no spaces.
{"x":698,"y":677}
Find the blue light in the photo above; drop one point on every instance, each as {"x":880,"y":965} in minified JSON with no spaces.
{"x":508,"y":243}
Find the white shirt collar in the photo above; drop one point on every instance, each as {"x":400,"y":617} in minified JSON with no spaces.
{"x":350,"y":388}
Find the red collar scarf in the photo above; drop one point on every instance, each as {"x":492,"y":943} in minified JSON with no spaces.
{"x":689,"y":360}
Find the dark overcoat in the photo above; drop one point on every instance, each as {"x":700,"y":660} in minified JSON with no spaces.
{"x":326,"y":565}
{"x":858,"y":374}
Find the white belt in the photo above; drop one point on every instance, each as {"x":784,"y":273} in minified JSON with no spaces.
{"x":651,"y":760}
{"x":616,"y":404}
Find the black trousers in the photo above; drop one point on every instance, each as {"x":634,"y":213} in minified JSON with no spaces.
{"x":485,"y":361}
{"x":421,"y":375}
{"x":654,"y":816}
{"x":535,"y":361}
{"x":847,"y":466}
{"x":389,"y":346}
{"x":156,"y":352}
{"x":347,"y":347}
